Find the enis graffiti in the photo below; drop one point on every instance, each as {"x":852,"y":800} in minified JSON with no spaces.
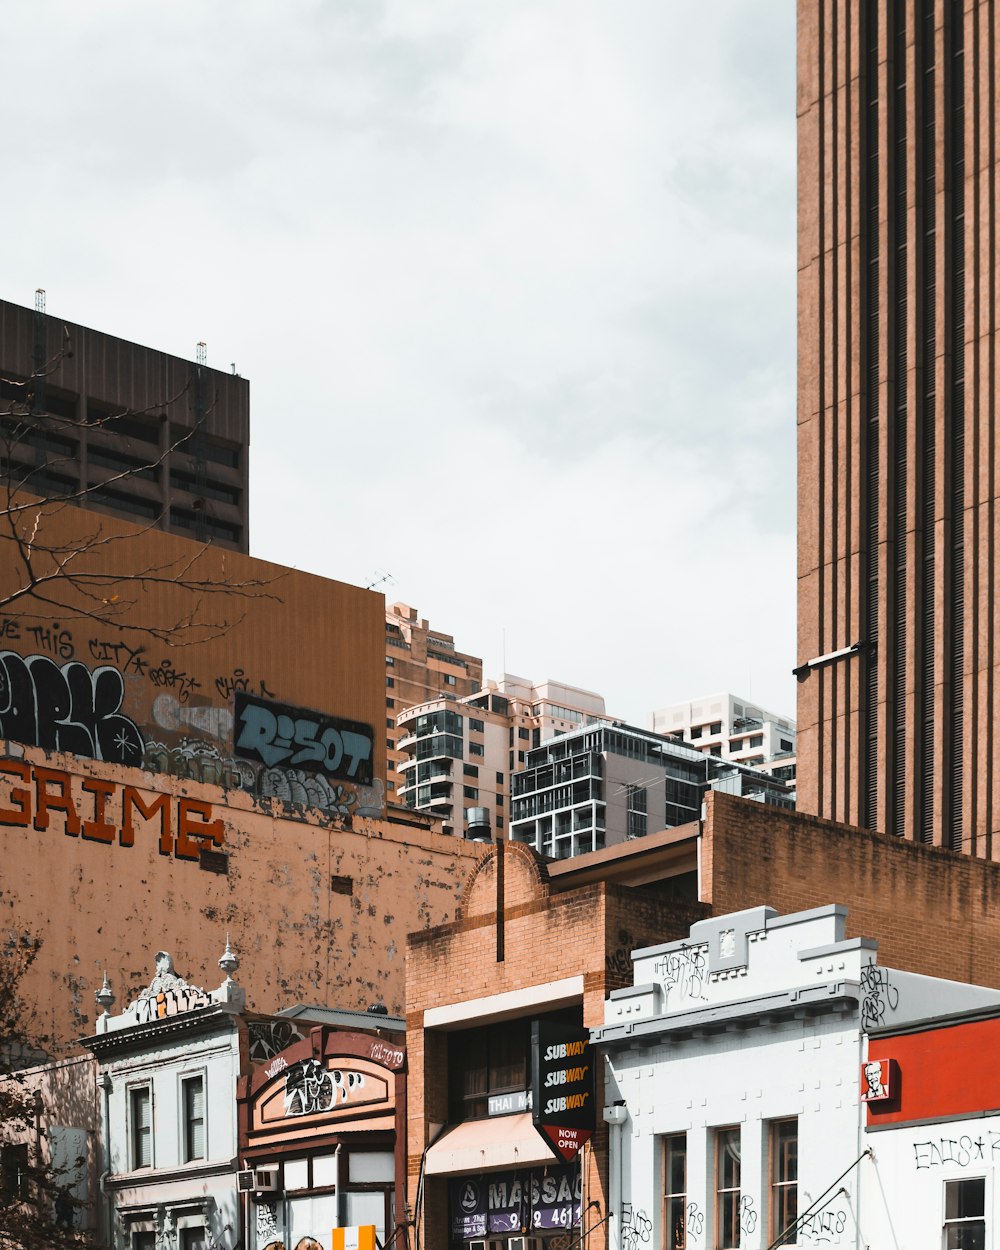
{"x":276,"y":734}
{"x":67,"y":708}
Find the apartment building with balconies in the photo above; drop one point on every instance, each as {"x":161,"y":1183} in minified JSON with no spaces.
{"x":461,"y":753}
{"x":609,"y":783}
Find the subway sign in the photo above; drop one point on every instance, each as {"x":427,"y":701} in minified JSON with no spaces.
{"x":562,"y":1087}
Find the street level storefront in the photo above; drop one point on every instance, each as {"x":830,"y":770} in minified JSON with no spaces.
{"x":936,"y":1132}
{"x":322,"y":1137}
{"x":531,"y":946}
{"x":534,"y":1202}
{"x":738,"y":1086}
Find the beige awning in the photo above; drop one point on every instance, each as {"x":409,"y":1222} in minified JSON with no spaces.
{"x":505,"y":1141}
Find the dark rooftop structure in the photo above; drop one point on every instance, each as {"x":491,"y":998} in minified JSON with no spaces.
{"x":123,"y":429}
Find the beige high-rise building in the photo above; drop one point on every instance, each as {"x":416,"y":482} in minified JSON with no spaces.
{"x":420,"y":664}
{"x":899,"y":645}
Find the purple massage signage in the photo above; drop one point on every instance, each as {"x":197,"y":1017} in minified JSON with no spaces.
{"x":512,"y":1202}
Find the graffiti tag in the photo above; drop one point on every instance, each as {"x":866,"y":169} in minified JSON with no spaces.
{"x":956,"y":1151}
{"x":824,"y":1227}
{"x":878,"y":996}
{"x":274,"y":734}
{"x":167,"y":676}
{"x":308,"y":1088}
{"x":120,"y":654}
{"x":168,"y":1003}
{"x":238,"y":680}
{"x":72,"y":708}
{"x":103,"y":811}
{"x":388,"y":1056}
{"x":636,"y":1227}
{"x":685,"y":970}
{"x":269,"y":1037}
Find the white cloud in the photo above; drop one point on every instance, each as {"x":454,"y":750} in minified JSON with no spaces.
{"x":524,"y":269}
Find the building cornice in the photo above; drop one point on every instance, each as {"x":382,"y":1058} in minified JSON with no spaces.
{"x":808,"y":1001}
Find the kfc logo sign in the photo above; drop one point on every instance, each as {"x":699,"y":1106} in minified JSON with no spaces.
{"x":879,"y":1080}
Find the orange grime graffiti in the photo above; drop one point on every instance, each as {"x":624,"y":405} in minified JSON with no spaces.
{"x":34,"y":797}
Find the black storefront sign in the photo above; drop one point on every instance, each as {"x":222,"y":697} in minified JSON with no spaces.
{"x":513,"y":1202}
{"x":562,"y":1089}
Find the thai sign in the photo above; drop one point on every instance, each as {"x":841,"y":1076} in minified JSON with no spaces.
{"x":508,"y":1104}
{"x":277,"y":735}
{"x":562,"y":1089}
{"x":515,"y":1202}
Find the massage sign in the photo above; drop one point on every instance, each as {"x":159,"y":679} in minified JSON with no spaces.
{"x":562,"y":1091}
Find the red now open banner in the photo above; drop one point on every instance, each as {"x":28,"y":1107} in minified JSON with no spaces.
{"x":566,"y":1142}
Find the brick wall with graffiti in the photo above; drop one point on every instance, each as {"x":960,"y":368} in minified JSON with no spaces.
{"x":280,"y":702}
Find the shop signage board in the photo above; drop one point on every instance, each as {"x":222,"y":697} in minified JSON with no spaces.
{"x":562,"y":1090}
{"x":533,"y":1199}
{"x":508,"y":1104}
{"x":359,"y":1237}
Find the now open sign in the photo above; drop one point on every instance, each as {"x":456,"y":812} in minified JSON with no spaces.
{"x":562,"y":1092}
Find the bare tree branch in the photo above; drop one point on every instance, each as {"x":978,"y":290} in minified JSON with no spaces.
{"x":75,"y":578}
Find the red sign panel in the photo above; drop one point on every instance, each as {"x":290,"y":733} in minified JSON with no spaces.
{"x":566,"y":1142}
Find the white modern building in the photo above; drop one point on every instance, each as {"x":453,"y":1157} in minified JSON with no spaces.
{"x":733,"y":1085}
{"x":607,"y":783}
{"x":730,"y":727}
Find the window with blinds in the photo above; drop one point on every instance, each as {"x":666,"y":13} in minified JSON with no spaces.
{"x":141,"y":1125}
{"x":193,"y":1101}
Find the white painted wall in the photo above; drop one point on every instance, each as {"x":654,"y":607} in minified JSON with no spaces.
{"x":903,"y":1197}
{"x":170,"y":1182}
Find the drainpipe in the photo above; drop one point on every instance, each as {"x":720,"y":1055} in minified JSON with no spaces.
{"x":104,"y":1083}
{"x":336,"y":1181}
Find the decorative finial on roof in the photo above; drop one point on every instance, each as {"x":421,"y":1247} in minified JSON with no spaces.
{"x":229,"y":962}
{"x":105,"y":995}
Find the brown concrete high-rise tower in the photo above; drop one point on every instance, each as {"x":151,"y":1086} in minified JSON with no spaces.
{"x":899,"y":617}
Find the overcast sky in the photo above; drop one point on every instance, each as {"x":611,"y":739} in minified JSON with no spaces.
{"x":513,"y":284}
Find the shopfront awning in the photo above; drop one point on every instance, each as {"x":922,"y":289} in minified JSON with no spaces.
{"x":506,"y":1141}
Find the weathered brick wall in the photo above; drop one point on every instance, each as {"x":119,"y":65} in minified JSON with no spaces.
{"x":931,"y":910}
{"x":318,"y":910}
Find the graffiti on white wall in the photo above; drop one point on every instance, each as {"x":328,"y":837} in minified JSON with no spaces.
{"x":683,"y":973}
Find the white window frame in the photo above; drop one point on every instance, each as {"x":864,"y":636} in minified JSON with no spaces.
{"x":132,"y":1137}
{"x":183,"y":1079}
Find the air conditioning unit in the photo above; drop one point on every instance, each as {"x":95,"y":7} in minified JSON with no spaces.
{"x":522,"y":1243}
{"x":258,"y":1180}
